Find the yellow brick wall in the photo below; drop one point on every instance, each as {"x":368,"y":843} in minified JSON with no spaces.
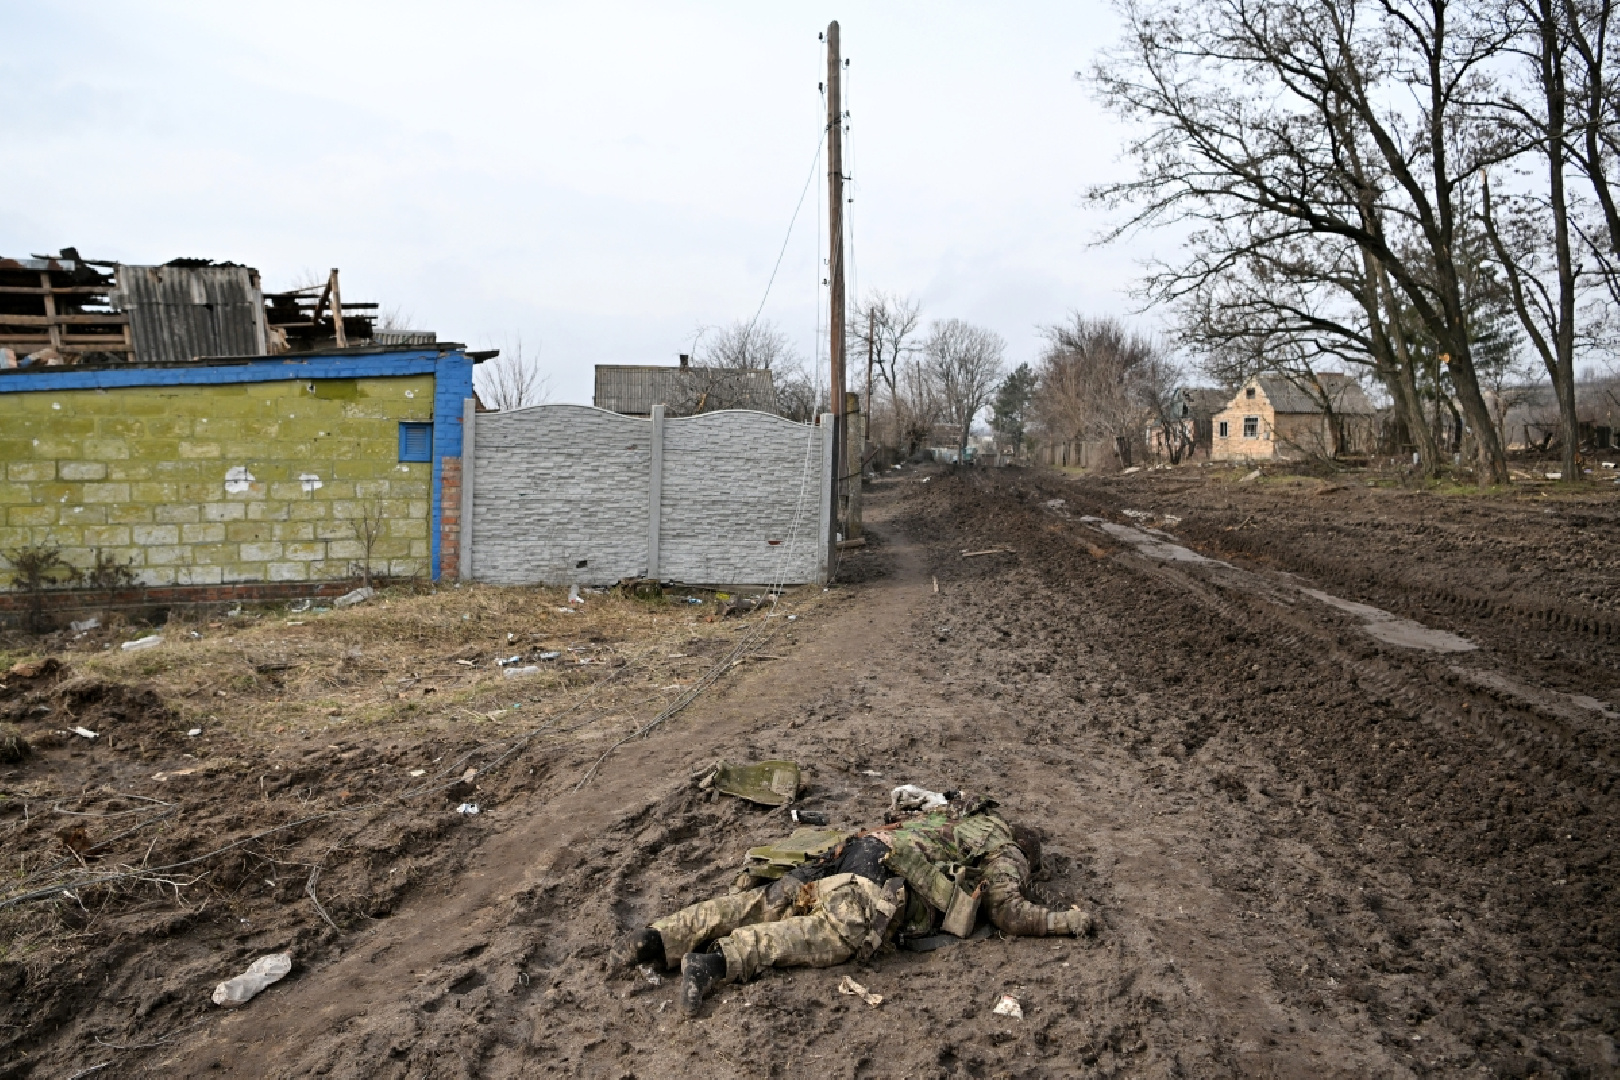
{"x":141,"y":473}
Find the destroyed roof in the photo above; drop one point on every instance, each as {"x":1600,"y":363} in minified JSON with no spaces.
{"x":1203,"y":402}
{"x":1344,"y":395}
{"x":633,"y":389}
{"x":183,"y":312}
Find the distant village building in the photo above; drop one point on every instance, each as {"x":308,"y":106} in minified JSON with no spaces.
{"x":1189,"y":432}
{"x":1274,"y":418}
{"x":1529,"y":420}
{"x":686,"y":390}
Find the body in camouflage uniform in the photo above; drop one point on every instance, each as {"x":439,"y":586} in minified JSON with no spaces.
{"x":910,"y":873}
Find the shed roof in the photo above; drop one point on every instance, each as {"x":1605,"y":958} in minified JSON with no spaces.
{"x":633,"y":389}
{"x":1286,"y":396}
{"x":183,"y":312}
{"x":1203,"y":402}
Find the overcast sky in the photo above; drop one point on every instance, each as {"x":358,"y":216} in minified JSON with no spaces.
{"x":598,"y":180}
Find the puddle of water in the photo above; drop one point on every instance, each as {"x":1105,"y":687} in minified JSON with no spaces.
{"x":1393,"y":629}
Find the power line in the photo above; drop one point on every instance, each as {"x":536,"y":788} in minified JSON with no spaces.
{"x":794,"y":220}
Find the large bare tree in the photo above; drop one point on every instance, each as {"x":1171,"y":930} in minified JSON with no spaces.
{"x":1100,"y":381}
{"x":885,"y":327}
{"x":964,"y":363}
{"x":1344,"y":121}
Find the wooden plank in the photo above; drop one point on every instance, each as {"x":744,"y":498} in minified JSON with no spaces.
{"x":64,"y":320}
{"x":59,"y":290}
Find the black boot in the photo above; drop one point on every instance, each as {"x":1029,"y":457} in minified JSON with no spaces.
{"x":699,"y":973}
{"x":642,"y":947}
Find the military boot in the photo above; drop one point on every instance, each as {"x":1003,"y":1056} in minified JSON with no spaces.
{"x":699,"y":973}
{"x":642,"y":947}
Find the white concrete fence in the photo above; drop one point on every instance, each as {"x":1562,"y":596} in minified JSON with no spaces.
{"x":561,"y":494}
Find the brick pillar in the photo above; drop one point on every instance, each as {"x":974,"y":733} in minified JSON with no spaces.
{"x":450,"y":519}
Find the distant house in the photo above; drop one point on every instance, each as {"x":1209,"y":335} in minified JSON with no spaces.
{"x":1275,"y":418}
{"x":686,"y":390}
{"x":1190,"y":430}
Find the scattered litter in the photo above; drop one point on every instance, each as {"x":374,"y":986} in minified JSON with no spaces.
{"x":1132,"y":469}
{"x":855,"y":989}
{"x":260,"y":974}
{"x":651,"y":976}
{"x":573,"y":595}
{"x":295,"y":622}
{"x":509,"y":661}
{"x":471,"y":774}
{"x":467,"y":808}
{"x":1055,"y":504}
{"x":466,"y":663}
{"x":1008,"y":1006}
{"x":83,"y":732}
{"x":872,"y":773}
{"x":418,"y":772}
{"x":936,"y":584}
{"x":1607,"y":464}
{"x":300,"y":605}
{"x":1555,"y":475}
{"x":160,"y":777}
{"x":88,"y":624}
{"x":550,"y":655}
{"x":925,"y":480}
{"x":147,"y":642}
{"x":358,"y":596}
{"x":194,"y":732}
{"x":694,"y":599}
{"x":520,"y":672}
{"x":1251,"y":476}
{"x":912,"y":797}
{"x":769,"y":783}
{"x":566,"y":611}
{"x":987,"y":551}
{"x":1170,"y":520}
{"x":1138,"y":515}
{"x":792,"y":617}
{"x":196,"y":636}
{"x":809,"y":817}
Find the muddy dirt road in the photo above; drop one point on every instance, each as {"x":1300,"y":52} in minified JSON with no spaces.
{"x":1330,"y":825}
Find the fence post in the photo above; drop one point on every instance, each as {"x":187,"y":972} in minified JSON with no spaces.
{"x":655,"y":489}
{"x":825,"y":562}
{"x":469,"y":418}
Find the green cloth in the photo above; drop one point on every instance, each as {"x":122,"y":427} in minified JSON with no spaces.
{"x":769,"y":783}
{"x":771,"y":861}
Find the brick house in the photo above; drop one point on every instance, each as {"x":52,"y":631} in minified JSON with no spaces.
{"x":1274,"y":418}
{"x":238,"y":478}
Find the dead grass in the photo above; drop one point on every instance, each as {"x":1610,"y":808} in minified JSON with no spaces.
{"x":405,"y":663}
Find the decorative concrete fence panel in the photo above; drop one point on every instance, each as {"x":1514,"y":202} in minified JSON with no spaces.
{"x":571,"y":494}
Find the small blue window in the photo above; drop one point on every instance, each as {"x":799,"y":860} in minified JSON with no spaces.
{"x":415,"y":442}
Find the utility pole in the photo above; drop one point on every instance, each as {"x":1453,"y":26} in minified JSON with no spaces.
{"x":835,"y":258}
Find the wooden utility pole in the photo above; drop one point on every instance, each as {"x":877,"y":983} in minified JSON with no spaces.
{"x":337,"y":309}
{"x":835,"y":261}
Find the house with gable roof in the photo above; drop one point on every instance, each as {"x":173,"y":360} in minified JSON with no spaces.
{"x":1275,"y":418}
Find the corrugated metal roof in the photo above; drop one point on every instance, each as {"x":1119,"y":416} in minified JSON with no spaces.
{"x":180,"y":313}
{"x":633,"y":389}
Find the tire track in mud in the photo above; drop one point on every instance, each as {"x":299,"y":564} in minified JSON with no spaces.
{"x":1456,"y":835}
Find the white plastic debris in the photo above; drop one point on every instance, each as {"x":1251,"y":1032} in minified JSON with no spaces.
{"x":1251,"y":476}
{"x":573,"y":595}
{"x":1008,"y":1006}
{"x":358,"y":596}
{"x":549,"y":655}
{"x":854,"y":989}
{"x":301,"y":605}
{"x":91,"y":623}
{"x":510,"y":660}
{"x":194,"y":732}
{"x":418,"y":772}
{"x":147,"y":642}
{"x":872,"y":772}
{"x":520,"y":672}
{"x":83,"y":732}
{"x":467,"y":808}
{"x":912,"y":797}
{"x":260,"y":974}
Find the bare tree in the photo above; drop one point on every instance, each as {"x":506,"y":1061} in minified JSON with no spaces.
{"x":964,"y":364}
{"x":512,"y":380}
{"x":1247,"y":104}
{"x":745,"y":345}
{"x":1101,"y":381}
{"x":885,"y":327}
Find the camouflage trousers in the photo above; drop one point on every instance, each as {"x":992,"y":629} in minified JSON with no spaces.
{"x":825,"y":924}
